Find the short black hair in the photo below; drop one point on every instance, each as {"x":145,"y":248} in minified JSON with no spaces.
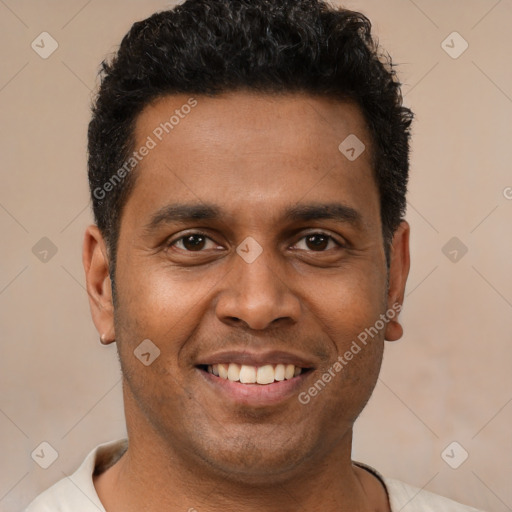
{"x":209,"y":47}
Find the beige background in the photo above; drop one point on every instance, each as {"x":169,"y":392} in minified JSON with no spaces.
{"x":449,"y":379}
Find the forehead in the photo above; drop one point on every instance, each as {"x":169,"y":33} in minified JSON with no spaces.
{"x":258,"y":151}
{"x":303,"y":123}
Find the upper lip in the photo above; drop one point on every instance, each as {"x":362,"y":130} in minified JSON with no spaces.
{"x":256,"y":358}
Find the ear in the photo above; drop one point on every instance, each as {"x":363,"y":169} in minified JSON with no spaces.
{"x":398,"y":272}
{"x":99,"y":288}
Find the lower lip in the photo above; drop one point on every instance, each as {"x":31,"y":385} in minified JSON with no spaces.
{"x":256,"y":394}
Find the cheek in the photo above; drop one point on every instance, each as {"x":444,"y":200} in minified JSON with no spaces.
{"x":156,"y":303}
{"x":152,"y":306}
{"x":348,"y":310}
{"x":349,"y":301}
{"x":348,"y":307}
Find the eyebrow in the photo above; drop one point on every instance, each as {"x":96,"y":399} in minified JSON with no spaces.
{"x":303,"y":212}
{"x":329,"y":211}
{"x":183,"y":213}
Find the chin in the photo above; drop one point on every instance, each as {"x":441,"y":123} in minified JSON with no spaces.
{"x":256,"y":459}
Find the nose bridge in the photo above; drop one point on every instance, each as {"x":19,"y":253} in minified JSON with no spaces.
{"x":256,"y":291}
{"x":260,"y":280}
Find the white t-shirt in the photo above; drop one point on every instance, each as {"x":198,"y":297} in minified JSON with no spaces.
{"x":77,"y":493}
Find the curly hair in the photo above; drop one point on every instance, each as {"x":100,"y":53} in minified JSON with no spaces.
{"x":210,"y":47}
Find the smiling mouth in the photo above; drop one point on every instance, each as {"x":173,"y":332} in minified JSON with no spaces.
{"x":248,"y":374}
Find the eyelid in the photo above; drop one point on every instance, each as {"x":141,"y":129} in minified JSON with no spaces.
{"x":323,"y":233}
{"x":169,"y":242}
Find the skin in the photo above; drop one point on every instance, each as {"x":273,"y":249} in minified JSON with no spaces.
{"x":252,"y":155}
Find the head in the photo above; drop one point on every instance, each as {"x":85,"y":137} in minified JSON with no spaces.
{"x":244,"y":108}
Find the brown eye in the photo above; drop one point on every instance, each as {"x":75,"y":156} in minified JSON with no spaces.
{"x":317,"y":242}
{"x":194,"y":242}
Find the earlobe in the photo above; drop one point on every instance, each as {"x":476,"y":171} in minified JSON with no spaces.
{"x":107,"y":338}
{"x":398,"y":272}
{"x":99,"y":288}
{"x":394,"y":331}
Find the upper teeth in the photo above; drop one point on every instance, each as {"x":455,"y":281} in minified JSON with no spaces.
{"x":248,"y":374}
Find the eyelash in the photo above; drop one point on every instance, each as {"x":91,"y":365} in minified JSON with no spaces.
{"x":171,"y":243}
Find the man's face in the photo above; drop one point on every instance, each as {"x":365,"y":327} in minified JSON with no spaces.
{"x":263,"y":167}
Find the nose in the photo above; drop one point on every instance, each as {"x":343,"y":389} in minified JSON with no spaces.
{"x":257,"y":295}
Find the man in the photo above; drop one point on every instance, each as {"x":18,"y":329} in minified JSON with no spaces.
{"x":248,"y":163}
